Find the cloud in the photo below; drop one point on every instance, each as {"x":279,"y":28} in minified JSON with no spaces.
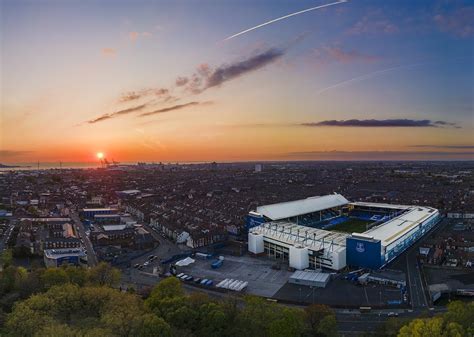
{"x":380,"y":123}
{"x":459,"y":147}
{"x":135,"y":35}
{"x":135,"y":95}
{"x":374,"y":22}
{"x":458,"y":22}
{"x":116,"y":114}
{"x":205,"y":77}
{"x":328,"y":54}
{"x":13,"y":153}
{"x":181,"y":80}
{"x":129,"y":96}
{"x":174,"y":107}
{"x":228,"y":72}
{"x":109,"y":52}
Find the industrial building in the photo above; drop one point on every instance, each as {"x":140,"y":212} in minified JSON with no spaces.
{"x":90,"y":213}
{"x":65,"y":256}
{"x":310,"y":278}
{"x":331,"y":232}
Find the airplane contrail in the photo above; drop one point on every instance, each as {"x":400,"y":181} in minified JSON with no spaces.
{"x":369,"y":75}
{"x":284,"y":17}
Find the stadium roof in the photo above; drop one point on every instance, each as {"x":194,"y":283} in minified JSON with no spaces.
{"x":313,"y":238}
{"x":388,"y":232}
{"x":290,"y":209}
{"x":380,"y":205}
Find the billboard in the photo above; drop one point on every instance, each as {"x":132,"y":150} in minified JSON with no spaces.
{"x":253,"y":220}
{"x":363,"y":253}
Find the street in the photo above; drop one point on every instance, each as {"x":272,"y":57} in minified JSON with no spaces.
{"x":5,"y":237}
{"x":91,"y":256}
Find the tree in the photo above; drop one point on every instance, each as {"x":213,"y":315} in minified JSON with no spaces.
{"x":153,"y":326}
{"x":328,"y":326}
{"x":314,"y":314}
{"x":56,"y":329}
{"x":458,"y":321}
{"x":462,"y":314}
{"x":76,"y":275}
{"x":104,"y":275}
{"x":432,"y":327}
{"x":289,"y":324}
{"x":6,"y":258}
{"x":88,"y":311}
{"x":167,"y":288}
{"x":10,"y":278}
{"x":122,"y":314}
{"x":54,"y":276}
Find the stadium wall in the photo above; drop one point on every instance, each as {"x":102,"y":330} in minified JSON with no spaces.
{"x":253,"y":220}
{"x":364,"y":253}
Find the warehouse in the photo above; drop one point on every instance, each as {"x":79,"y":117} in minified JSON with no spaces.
{"x":310,"y":278}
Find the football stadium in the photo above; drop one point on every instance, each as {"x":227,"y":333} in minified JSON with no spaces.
{"x":331,"y":232}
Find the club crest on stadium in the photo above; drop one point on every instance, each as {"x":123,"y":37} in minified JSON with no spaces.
{"x":360,"y":247}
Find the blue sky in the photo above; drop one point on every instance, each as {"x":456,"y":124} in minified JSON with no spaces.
{"x":67,"y":64}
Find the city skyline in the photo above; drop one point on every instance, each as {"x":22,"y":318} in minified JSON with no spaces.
{"x":164,"y":81}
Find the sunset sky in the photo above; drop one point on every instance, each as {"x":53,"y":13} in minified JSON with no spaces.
{"x":157,"y":81}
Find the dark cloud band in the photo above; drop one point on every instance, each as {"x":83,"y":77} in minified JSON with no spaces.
{"x":380,"y":123}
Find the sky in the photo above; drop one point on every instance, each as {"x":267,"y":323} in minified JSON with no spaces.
{"x":167,"y":81}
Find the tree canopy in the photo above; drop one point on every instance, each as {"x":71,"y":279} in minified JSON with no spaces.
{"x":71,"y":301}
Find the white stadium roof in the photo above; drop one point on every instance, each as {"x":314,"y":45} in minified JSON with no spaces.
{"x":290,"y":209}
{"x":390,"y":231}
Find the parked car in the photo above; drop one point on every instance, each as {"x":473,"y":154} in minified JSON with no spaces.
{"x":189,"y":278}
{"x":137,"y":265}
{"x":197,"y":280}
{"x":179,"y":275}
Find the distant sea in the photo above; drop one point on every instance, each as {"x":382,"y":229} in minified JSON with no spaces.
{"x":69,"y":165}
{"x":48,"y":166}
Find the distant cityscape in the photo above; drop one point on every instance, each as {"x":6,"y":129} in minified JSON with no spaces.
{"x":154,"y":221}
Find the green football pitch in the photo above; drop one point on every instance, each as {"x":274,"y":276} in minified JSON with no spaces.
{"x":351,"y":226}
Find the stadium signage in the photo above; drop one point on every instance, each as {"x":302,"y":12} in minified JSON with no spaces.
{"x":360,"y":248}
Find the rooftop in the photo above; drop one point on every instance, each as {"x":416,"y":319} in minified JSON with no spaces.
{"x":391,"y":230}
{"x":313,"y":238}
{"x":58,"y":253}
{"x":290,"y":209}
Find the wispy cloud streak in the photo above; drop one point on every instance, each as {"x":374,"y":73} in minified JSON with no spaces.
{"x":368,"y":76}
{"x":172,"y":108}
{"x":283,"y":18}
{"x":116,"y":114}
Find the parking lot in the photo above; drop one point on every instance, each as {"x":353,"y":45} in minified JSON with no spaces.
{"x":341,"y":293}
{"x":262,"y":279}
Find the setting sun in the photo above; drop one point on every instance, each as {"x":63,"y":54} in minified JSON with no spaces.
{"x":100,"y":155}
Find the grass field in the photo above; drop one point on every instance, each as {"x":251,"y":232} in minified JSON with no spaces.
{"x":351,"y":226}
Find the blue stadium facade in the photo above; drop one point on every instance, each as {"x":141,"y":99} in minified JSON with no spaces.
{"x":389,"y":229}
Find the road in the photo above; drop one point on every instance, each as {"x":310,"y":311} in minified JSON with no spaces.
{"x":419,"y":299}
{"x":144,"y":277}
{"x":91,"y":256}
{"x":5,"y":237}
{"x":416,"y":290}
